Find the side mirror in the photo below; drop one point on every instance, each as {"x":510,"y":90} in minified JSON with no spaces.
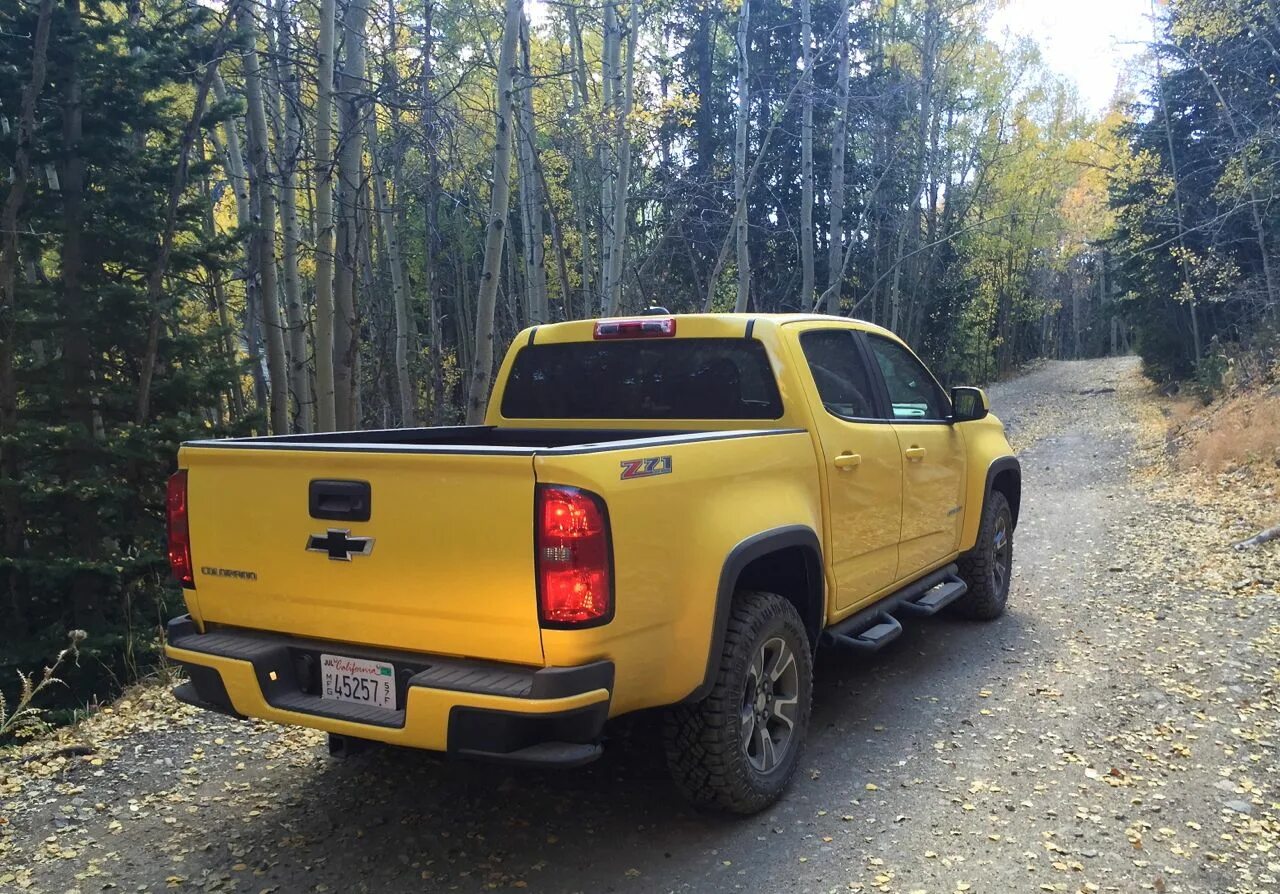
{"x":969,"y":404}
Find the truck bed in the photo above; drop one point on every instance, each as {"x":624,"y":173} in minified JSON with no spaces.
{"x":444,"y":555}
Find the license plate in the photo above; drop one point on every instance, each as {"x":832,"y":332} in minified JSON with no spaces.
{"x":357,"y":680}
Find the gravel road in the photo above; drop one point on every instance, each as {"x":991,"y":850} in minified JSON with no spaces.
{"x":1115,"y":731}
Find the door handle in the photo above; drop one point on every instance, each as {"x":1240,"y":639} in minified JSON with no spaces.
{"x":848,"y":460}
{"x":339,"y":500}
{"x":915,"y":453}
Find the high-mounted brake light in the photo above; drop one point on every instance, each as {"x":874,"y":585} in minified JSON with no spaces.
{"x":575,"y":569}
{"x":179,"y":530}
{"x":650,"y":327}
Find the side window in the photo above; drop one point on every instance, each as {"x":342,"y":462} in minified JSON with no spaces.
{"x":839,"y":372}
{"x":913,"y":392}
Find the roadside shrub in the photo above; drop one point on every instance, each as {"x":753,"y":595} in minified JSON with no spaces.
{"x":26,"y":720}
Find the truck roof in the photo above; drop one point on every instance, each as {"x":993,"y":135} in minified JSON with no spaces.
{"x":711,"y":325}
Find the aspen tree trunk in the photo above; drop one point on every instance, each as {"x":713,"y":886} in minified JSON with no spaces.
{"x":926,"y":255}
{"x":557,"y":239}
{"x":535,"y":270}
{"x":609,"y":64}
{"x":399,"y":290}
{"x":740,"y":161}
{"x":272,"y":80}
{"x":234,"y":400}
{"x":806,"y":158}
{"x":877,"y":152}
{"x":749,"y":179}
{"x":1075,"y":320}
{"x":932,"y":196}
{"x":399,"y":194}
{"x":466,"y":322}
{"x":512,"y":290}
{"x":362,"y":284}
{"x":580,"y":175}
{"x":265,"y":224}
{"x":839,"y":139}
{"x":299,"y":377}
{"x":486,"y":300}
{"x":220,"y":301}
{"x":911,"y":223}
{"x":233,"y":161}
{"x":895,"y":290}
{"x":431,"y":190}
{"x":324,"y":250}
{"x":622,"y":179}
{"x":346,"y":329}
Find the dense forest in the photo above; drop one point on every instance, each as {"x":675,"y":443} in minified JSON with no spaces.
{"x":253,"y":216}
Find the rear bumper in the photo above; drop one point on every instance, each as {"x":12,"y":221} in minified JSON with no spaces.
{"x":543,"y":716}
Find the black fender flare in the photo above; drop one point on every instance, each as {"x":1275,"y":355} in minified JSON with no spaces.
{"x":999,"y":465}
{"x":742,"y":555}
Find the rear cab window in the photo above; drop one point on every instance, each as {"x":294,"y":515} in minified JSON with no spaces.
{"x":678,"y":378}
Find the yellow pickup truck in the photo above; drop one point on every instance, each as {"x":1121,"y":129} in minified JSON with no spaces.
{"x":662,"y":511}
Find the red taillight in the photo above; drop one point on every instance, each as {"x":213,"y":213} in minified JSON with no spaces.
{"x":179,"y":531}
{"x":575,"y":574}
{"x":653,"y":327}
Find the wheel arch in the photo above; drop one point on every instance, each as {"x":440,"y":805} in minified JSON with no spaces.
{"x":1005,"y":475}
{"x":787,"y":561}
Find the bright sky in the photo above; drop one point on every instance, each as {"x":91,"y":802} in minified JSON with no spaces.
{"x":1089,"y":41}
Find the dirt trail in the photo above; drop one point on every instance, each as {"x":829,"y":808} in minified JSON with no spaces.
{"x":1116,"y":731}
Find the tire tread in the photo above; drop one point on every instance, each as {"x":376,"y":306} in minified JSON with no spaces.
{"x":982,"y":602}
{"x":702,"y":752}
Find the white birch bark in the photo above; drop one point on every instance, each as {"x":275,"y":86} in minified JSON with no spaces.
{"x":264,"y":208}
{"x":839,"y":139}
{"x":622,"y":142}
{"x":535,"y":270}
{"x":346,"y":328}
{"x":299,"y":377}
{"x":499,"y":202}
{"x":806,"y":157}
{"x":395,"y":266}
{"x":581,"y":103}
{"x":323,"y":347}
{"x":609,"y":65}
{"x":740,"y":160}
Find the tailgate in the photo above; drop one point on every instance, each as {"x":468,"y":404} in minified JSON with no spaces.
{"x":449,"y":570}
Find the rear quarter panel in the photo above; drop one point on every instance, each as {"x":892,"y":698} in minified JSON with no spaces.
{"x":671,"y":536}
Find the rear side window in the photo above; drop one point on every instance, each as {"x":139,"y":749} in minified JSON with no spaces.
{"x":679,"y":378}
{"x":839,"y":372}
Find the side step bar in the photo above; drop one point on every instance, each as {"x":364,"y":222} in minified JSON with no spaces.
{"x":883,"y":631}
{"x":875,"y":626}
{"x":936,"y":599}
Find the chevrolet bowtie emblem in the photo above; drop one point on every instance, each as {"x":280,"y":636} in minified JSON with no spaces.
{"x":339,"y":545}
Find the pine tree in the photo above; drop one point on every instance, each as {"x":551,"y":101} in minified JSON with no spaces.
{"x":83,"y":495}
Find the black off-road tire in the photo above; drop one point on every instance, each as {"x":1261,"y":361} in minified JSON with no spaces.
{"x":704,"y":740}
{"x":988,"y":567}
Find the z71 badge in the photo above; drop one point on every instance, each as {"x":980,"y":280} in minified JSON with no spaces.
{"x":643,"y":468}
